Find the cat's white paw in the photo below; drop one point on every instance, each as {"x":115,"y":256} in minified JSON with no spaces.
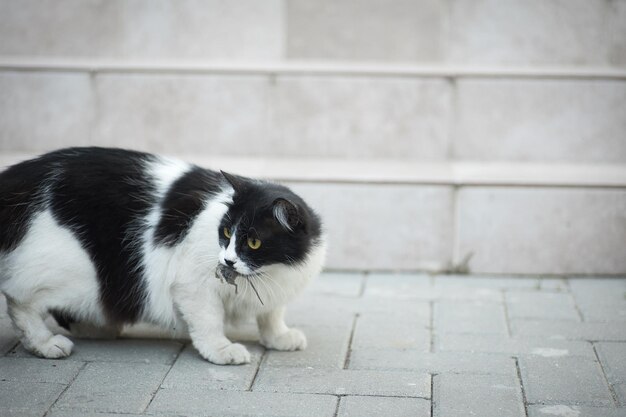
{"x":292,"y":339}
{"x":233,"y":354}
{"x":56,"y":347}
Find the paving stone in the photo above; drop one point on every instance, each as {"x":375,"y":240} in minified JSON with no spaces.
{"x":541,"y":305}
{"x":26,"y":399}
{"x":568,"y":330}
{"x":341,"y":310}
{"x":396,"y":285}
{"x":391,"y":331}
{"x":565,"y":380}
{"x":355,"y":406}
{"x":469,"y":317}
{"x":600,"y":299}
{"x":343,"y":382}
{"x":477,"y":395}
{"x":38,"y":370}
{"x":118,"y":350}
{"x":114,"y":387}
{"x":198,"y":401}
{"x":336,"y":311}
{"x":553,"y":284}
{"x":338,"y":284}
{"x":496,"y":282}
{"x":192,"y":370}
{"x":434,"y":363}
{"x":452,"y":342}
{"x":418,"y":287}
{"x":562,"y":410}
{"x":327,"y":348}
{"x":8,"y":337}
{"x":613,"y":359}
{"x":81,"y":413}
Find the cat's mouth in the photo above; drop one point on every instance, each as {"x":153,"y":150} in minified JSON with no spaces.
{"x":228,"y":274}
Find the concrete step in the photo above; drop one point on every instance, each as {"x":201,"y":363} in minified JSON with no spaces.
{"x":474,"y":32}
{"x":485,"y":218}
{"x":317,"y":110}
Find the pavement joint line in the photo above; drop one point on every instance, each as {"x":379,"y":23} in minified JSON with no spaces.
{"x":82,"y":367}
{"x":581,"y":316}
{"x":258,"y":368}
{"x":431,"y":326}
{"x":432,"y":394}
{"x":507,"y":320}
{"x":346,"y":362}
{"x":180,"y":350}
{"x":608,"y":383}
{"x":364,"y":280}
{"x":518,"y":373}
{"x":336,"y":413}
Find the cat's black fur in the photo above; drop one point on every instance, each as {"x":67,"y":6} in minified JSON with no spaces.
{"x":183,"y":202}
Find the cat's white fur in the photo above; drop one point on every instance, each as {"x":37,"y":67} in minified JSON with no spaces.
{"x":49,"y":269}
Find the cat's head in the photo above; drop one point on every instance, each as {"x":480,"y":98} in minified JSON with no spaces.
{"x":266,"y":224}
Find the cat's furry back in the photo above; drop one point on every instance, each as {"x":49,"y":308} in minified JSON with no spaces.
{"x":107,"y":237}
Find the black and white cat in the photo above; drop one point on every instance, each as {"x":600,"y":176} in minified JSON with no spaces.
{"x":107,"y":237}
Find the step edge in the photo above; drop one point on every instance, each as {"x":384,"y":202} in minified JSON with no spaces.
{"x":319,"y":68}
{"x":385,"y":171}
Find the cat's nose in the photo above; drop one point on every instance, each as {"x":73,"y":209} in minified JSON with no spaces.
{"x":229,"y":262}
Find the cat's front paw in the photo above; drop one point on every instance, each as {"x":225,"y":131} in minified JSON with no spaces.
{"x":56,"y":347}
{"x":292,"y":339}
{"x":233,"y":354}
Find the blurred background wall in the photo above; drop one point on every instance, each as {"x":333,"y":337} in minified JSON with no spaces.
{"x":480,"y":135}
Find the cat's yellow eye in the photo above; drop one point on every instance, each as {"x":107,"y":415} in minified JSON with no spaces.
{"x":227,"y":233}
{"x":254,"y":243}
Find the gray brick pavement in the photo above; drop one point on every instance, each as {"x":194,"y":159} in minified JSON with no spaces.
{"x":477,"y":395}
{"x":344,"y":382}
{"x":359,"y":406}
{"x":379,"y":344}
{"x":26,"y":399}
{"x":613,"y":358}
{"x":191,"y":370}
{"x":113,"y":387}
{"x":470,"y":317}
{"x":512,"y":346}
{"x":565,"y":380}
{"x":562,"y":410}
{"x":538,"y":305}
{"x":563,"y":329}
{"x":197,"y":401}
{"x":327,"y":348}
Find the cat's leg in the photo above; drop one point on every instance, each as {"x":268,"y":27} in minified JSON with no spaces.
{"x":276,"y":335}
{"x":34,"y":334}
{"x":203,"y":312}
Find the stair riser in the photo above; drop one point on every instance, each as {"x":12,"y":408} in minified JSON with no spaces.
{"x":422,"y":119}
{"x":512,"y":230}
{"x":469,"y":32}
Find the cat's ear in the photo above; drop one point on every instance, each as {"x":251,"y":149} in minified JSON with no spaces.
{"x":237,"y":182}
{"x":287,"y":214}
